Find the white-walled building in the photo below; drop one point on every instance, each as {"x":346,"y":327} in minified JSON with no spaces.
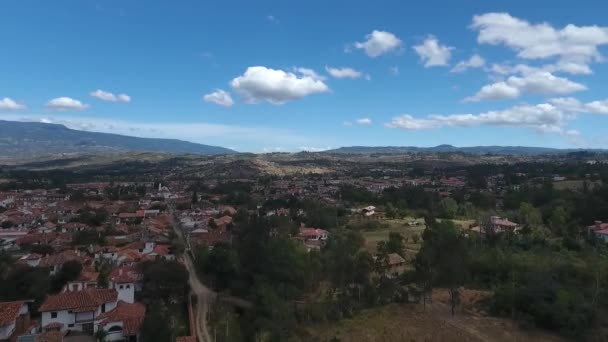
{"x":124,"y":280}
{"x":91,"y":309}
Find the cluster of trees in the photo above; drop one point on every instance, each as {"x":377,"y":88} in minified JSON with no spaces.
{"x":21,"y":281}
{"x":548,"y":283}
{"x":91,"y":216}
{"x":165,"y":291}
{"x":125,"y":193}
{"x":88,"y":237}
{"x":283,"y":280}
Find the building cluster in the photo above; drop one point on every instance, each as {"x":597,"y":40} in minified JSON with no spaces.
{"x":47,"y":229}
{"x":119,"y":225}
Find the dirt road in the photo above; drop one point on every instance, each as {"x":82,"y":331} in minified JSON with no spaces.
{"x":203,"y":294}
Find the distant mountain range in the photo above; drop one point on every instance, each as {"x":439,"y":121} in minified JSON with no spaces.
{"x":35,"y":139}
{"x":497,"y":150}
{"x":32,"y":139}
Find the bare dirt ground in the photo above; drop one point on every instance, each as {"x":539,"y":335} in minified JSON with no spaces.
{"x":413,"y":322}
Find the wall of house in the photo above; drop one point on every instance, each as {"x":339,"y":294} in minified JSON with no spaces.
{"x":148,"y":247}
{"x":126,"y":292}
{"x":114,"y":336}
{"x":62,"y":317}
{"x":109,"y":307}
{"x":6,"y":331}
{"x":33,"y":263}
{"x":84,"y":317}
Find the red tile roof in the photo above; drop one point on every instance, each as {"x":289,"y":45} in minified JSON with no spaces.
{"x":223,"y":220}
{"x":59,"y":258}
{"x":395,"y":259}
{"x":80,"y":301}
{"x":124,"y":275}
{"x":9,"y":311}
{"x":54,"y":325}
{"x":87,"y":276}
{"x":131,"y":315}
{"x":602,"y":231}
{"x":162,"y":249}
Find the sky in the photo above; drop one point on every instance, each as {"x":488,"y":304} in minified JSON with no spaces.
{"x":275,"y":76}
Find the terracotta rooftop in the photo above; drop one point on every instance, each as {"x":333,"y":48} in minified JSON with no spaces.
{"x":131,"y":315}
{"x":9,"y":311}
{"x":124,"y":275}
{"x":395,"y":259}
{"x":80,"y":301}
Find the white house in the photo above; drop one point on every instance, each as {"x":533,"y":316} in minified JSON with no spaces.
{"x":76,"y":310}
{"x":124,"y":280}
{"x":123,"y":323}
{"x":90,"y":310}
{"x":86,"y":280}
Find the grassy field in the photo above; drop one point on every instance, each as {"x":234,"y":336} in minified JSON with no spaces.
{"x":463,"y":224}
{"x":372,"y":237}
{"x":413,"y":322}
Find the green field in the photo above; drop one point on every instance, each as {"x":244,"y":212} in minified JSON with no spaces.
{"x":372,"y":237}
{"x":463,"y":224}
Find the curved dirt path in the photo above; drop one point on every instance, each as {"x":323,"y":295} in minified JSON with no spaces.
{"x":203,"y":294}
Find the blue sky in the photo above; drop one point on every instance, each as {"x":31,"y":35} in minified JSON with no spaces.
{"x":285,"y":76}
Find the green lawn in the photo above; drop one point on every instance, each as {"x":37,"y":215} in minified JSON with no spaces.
{"x":372,"y":237}
{"x":463,"y":224}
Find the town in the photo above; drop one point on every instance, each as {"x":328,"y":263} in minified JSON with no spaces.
{"x":274,"y":247}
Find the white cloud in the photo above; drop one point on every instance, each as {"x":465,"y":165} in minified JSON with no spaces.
{"x":347,"y":123}
{"x":567,"y":103}
{"x":573,"y":105}
{"x":476,"y":61}
{"x":107,"y":96}
{"x":273,"y":149}
{"x":364,"y":121}
{"x":310,"y":73}
{"x":394,"y":70}
{"x":123,"y":98}
{"x":432,"y":53}
{"x":540,"y":82}
{"x":537,"y":41}
{"x":573,"y":68}
{"x":272,"y":18}
{"x":10,"y":104}
{"x":379,"y":43}
{"x":495,"y":91}
{"x":543,"y":117}
{"x":343,"y":72}
{"x":314,"y":148}
{"x":597,"y":107}
{"x":66,"y":103}
{"x":259,"y":83}
{"x":219,"y":97}
{"x":408,"y":122}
